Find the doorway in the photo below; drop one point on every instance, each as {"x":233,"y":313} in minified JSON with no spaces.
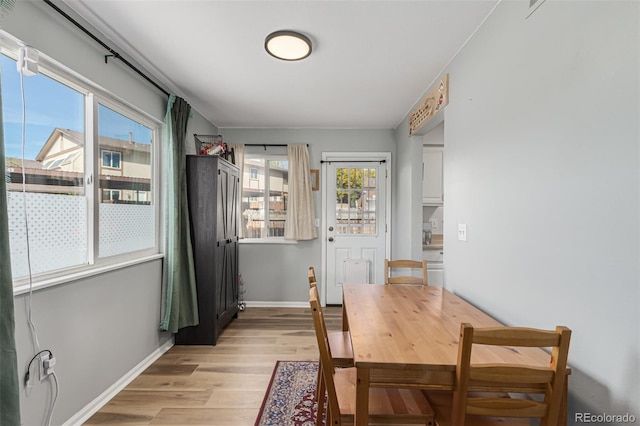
{"x":355,"y":214}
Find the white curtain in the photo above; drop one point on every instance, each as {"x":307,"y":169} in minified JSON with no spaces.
{"x":300,"y":223}
{"x":238,"y":152}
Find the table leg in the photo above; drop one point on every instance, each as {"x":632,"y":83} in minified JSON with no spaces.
{"x":362,"y":397}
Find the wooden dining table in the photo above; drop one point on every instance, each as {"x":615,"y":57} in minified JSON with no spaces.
{"x":406,"y":336}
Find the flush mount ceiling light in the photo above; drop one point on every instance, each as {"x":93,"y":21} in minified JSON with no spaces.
{"x":287,"y":45}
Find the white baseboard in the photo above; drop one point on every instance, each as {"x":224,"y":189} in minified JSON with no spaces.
{"x":90,"y":409}
{"x":258,"y":304}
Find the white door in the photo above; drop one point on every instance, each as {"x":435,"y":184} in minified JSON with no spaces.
{"x":355,"y":226}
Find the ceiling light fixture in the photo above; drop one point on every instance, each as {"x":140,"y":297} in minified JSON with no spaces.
{"x":287,"y":45}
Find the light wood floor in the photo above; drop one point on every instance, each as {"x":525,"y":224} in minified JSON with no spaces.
{"x":218,"y":385}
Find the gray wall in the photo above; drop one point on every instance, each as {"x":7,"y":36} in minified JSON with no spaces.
{"x":273,"y":272}
{"x":541,"y":141}
{"x":98,"y":328}
{"x":87,"y":323}
{"x":542,"y":164}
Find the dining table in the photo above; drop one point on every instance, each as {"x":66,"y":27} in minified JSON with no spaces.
{"x":406,"y":336}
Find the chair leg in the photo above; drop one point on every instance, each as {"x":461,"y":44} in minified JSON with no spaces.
{"x":318,"y":380}
{"x":320,"y":398}
{"x":320,"y":412}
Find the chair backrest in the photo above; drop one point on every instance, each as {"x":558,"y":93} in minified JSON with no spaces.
{"x":312,"y":277}
{"x":511,"y":377}
{"x":405,"y":264}
{"x":325,"y":352}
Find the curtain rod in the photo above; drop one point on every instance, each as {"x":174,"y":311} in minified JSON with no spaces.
{"x":265,"y":145}
{"x":352,"y":161}
{"x":113,"y":53}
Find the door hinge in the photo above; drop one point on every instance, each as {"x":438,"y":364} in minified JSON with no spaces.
{"x":385,"y":228}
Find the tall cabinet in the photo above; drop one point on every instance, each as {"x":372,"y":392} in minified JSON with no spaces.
{"x":212,"y":186}
{"x":432,"y":189}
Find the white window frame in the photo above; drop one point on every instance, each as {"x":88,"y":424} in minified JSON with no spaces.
{"x":111,"y":192}
{"x":94,"y":94}
{"x":266,"y":158}
{"x":103,"y":151}
{"x":251,"y":173}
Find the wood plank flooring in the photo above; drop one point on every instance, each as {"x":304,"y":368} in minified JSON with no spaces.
{"x":218,"y":385}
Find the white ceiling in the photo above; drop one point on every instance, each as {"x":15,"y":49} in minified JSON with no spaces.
{"x":371,"y":61}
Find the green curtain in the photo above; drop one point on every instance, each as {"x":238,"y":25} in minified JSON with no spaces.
{"x":9,"y":390}
{"x":180,"y":295}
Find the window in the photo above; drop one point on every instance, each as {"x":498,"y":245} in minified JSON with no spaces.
{"x":60,"y":157}
{"x":110,"y":195}
{"x":126,"y":221}
{"x":111,"y":159}
{"x":265,"y":190}
{"x":356,"y":190}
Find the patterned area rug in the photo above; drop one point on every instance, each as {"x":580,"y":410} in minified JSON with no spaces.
{"x":290,"y":399}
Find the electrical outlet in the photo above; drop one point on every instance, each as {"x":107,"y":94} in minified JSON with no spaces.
{"x":434,"y":224}
{"x":46,"y":366}
{"x":42,"y":369}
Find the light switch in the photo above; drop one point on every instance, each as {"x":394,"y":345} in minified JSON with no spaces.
{"x":317,"y":222}
{"x":462,"y":232}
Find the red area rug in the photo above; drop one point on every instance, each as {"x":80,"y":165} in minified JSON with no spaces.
{"x":290,"y":398}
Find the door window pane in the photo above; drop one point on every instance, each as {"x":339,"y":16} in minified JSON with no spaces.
{"x":53,"y":169}
{"x":356,"y":201}
{"x":126,"y":212}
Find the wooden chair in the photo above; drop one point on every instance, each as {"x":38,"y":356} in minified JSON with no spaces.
{"x":339,"y":341}
{"x":497,"y":403}
{"x":406,"y":264}
{"x":339,"y":348}
{"x":312,"y":276}
{"x":387,"y":406}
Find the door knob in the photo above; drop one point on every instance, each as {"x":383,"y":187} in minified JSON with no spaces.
{"x":330,"y":239}
{"x":331,"y":228}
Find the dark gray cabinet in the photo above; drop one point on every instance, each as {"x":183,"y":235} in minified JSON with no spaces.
{"x":212,"y":186}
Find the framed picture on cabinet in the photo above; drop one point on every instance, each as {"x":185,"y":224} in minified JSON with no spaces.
{"x":315,"y":179}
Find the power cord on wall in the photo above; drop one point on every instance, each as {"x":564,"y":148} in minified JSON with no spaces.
{"x":46,"y":370}
{"x":34,"y":333}
{"x":26,"y":65}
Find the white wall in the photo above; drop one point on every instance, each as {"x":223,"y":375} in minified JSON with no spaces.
{"x":101,"y":327}
{"x":435,"y":136}
{"x":542,"y":164}
{"x":273,"y":272}
{"x":406,"y":236}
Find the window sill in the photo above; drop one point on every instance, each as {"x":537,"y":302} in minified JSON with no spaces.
{"x":85,"y":272}
{"x":267,"y":241}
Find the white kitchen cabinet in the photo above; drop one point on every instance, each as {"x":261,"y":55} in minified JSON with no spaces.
{"x":435,"y":266}
{"x":432,"y":190}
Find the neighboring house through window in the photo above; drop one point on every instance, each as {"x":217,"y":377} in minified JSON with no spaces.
{"x":110,"y":195}
{"x":110,"y":159}
{"x":64,"y":230}
{"x":265,"y":191}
